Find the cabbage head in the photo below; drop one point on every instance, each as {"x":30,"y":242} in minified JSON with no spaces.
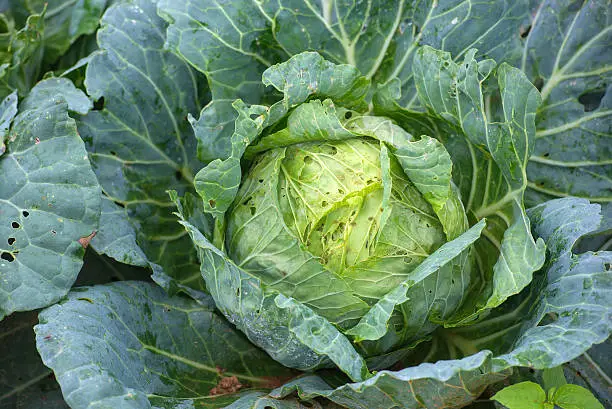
{"x":343,"y":232}
{"x":336,"y":222}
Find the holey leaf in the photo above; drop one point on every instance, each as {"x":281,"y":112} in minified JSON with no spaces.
{"x":573,"y":153}
{"x":130,"y":345}
{"x":139,"y":139}
{"x":49,"y":200}
{"x":25,"y":382}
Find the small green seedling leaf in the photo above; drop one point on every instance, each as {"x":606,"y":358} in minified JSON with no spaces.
{"x":575,"y":397}
{"x":524,"y":395}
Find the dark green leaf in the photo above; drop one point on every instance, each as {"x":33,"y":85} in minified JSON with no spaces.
{"x":139,"y":139}
{"x":572,"y":151}
{"x":49,"y":201}
{"x":116,"y":237}
{"x":129,"y":345}
{"x":25,"y":382}
{"x":65,"y":21}
{"x":232,"y":46}
{"x":575,"y":301}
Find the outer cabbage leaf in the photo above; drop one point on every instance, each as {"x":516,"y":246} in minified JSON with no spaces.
{"x":445,"y":384}
{"x":129,"y":345}
{"x":77,"y":101}
{"x":492,"y":27}
{"x":489,"y":162}
{"x":323,"y":338}
{"x":572,"y":151}
{"x":261,"y":400}
{"x":49,"y":200}
{"x":233,"y":45}
{"x":575,"y":306}
{"x":139,"y":141}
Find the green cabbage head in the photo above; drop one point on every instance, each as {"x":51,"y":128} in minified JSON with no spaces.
{"x":337,"y":222}
{"x":339,"y":232}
